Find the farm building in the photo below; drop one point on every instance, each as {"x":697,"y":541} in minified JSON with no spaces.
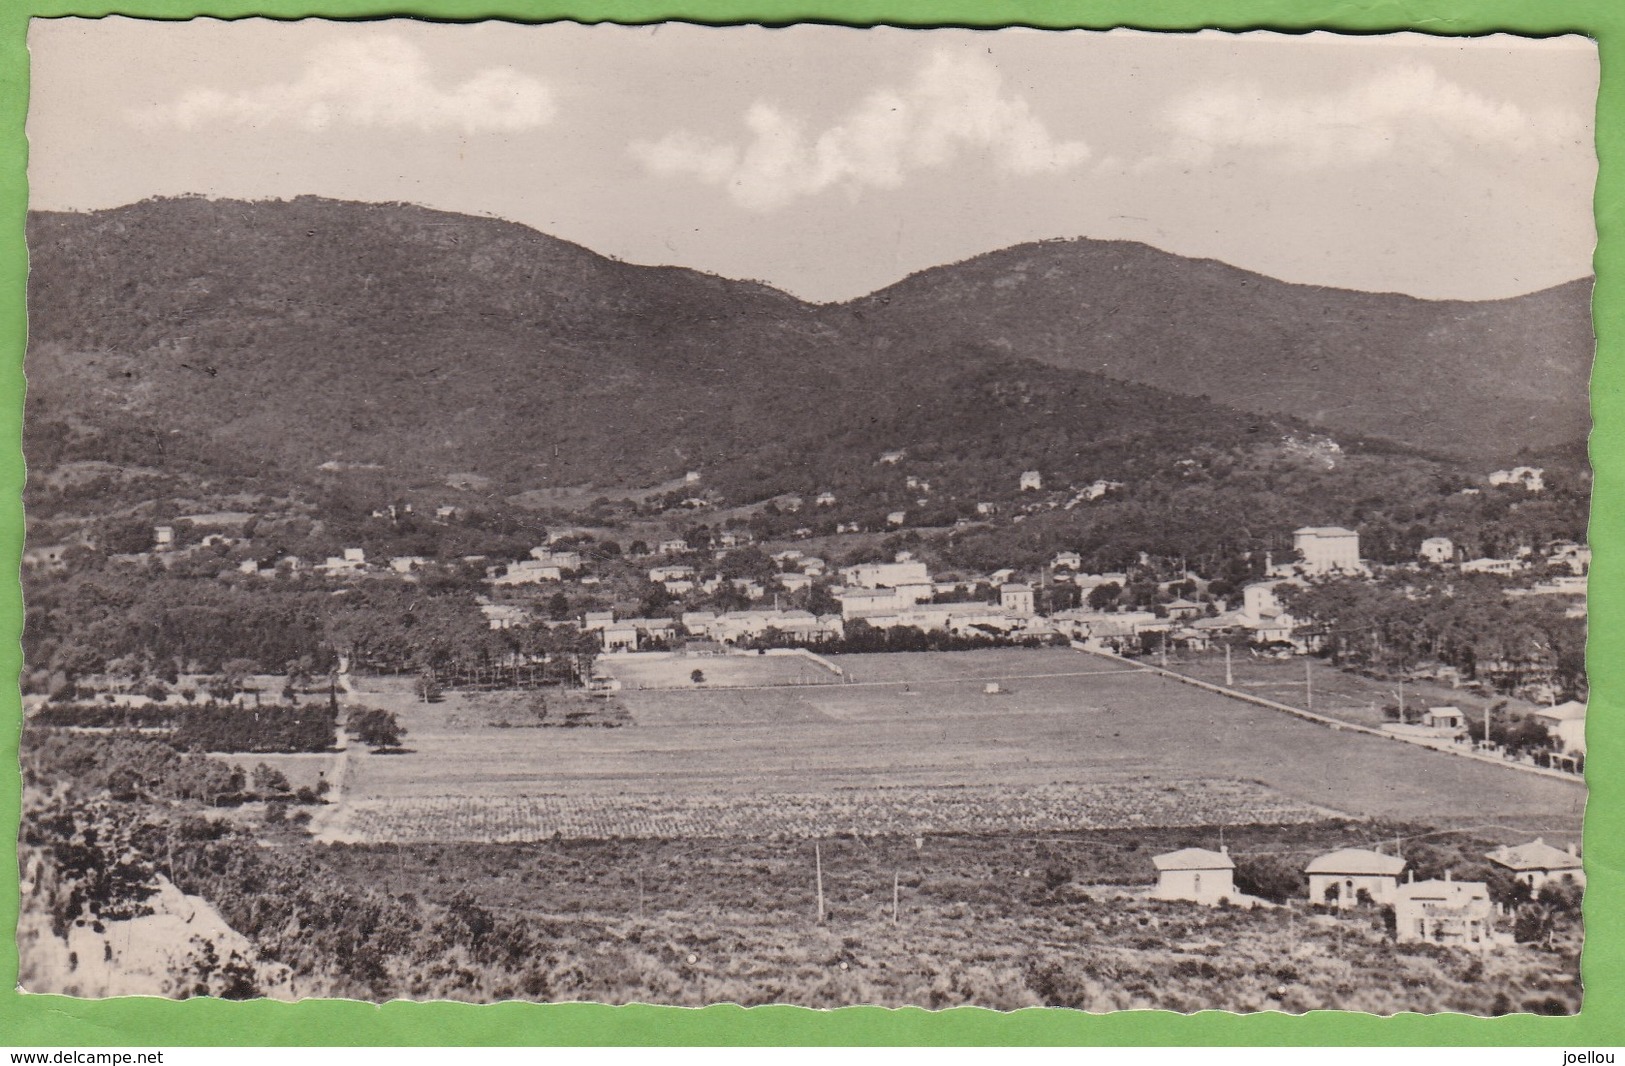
{"x":1031,"y":481}
{"x":1195,"y":874}
{"x":1537,"y":862}
{"x":1453,"y":913}
{"x":1340,"y":878}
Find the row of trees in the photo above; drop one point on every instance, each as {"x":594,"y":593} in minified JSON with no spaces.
{"x":1464,"y":622}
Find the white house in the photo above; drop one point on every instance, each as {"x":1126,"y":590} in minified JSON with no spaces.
{"x":1438,"y":550}
{"x":1327,"y":549}
{"x":566,"y":560}
{"x":1502,"y":567}
{"x":672,"y":547}
{"x":527,"y":572}
{"x":502,"y":615}
{"x":824,"y":499}
{"x":896,"y":518}
{"x":1455,"y":913}
{"x":1444,"y":718}
{"x":620,"y":636}
{"x":891,"y":458}
{"x":661,"y":574}
{"x":1066,"y":561}
{"x":1339,"y":878}
{"x":886,"y":575}
{"x":163,"y":537}
{"x":867,"y":603}
{"x":1017,"y":598}
{"x":1031,"y":481}
{"x":1195,"y":874}
{"x":1537,"y":862}
{"x":1567,"y":723}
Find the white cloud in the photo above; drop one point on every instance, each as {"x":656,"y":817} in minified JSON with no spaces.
{"x":1401,"y":108}
{"x":384,"y":82}
{"x":955,"y":106}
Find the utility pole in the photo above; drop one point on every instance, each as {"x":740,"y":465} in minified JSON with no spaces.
{"x":1308,"y":687}
{"x":818,"y":868}
{"x":1229,"y":679}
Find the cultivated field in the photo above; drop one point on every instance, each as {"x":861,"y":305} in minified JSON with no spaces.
{"x":909,"y":722}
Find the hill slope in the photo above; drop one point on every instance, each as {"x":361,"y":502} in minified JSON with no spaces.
{"x":295,"y":334}
{"x":1462,"y":378}
{"x":316,"y":332}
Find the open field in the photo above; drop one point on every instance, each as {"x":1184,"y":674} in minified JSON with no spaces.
{"x":1066,"y":720}
{"x":721,"y":671}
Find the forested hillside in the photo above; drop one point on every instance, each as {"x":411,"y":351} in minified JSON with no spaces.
{"x":285,"y":338}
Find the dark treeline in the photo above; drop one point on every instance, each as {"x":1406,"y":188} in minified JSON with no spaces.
{"x":208,"y":726}
{"x":1467,"y":622}
{"x":154,"y":627}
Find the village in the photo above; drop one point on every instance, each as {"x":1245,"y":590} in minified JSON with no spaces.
{"x":752,"y":599}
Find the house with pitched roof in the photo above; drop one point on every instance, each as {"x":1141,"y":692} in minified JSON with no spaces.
{"x":1537,"y":862}
{"x":1452,"y":913}
{"x":1195,"y":874}
{"x":1567,"y":725}
{"x":1350,"y":876}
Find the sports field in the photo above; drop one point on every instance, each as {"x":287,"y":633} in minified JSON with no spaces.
{"x":907,"y":727}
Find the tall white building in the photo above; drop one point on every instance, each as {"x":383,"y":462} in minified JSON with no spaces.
{"x":1327,"y":549}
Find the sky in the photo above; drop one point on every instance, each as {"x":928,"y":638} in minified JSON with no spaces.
{"x":830,"y":162}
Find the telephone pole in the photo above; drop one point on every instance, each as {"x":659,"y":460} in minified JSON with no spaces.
{"x":1308,"y":687}
{"x":1229,"y":679}
{"x":818,"y":868}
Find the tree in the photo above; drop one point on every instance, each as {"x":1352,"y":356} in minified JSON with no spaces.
{"x":698,"y":677}
{"x":1104,"y":596}
{"x":427,"y":687}
{"x":378,"y":729}
{"x":268,"y":779}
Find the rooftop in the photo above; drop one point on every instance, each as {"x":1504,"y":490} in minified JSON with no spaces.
{"x":1357,"y":861}
{"x":1194,"y":859}
{"x":1535,"y":855}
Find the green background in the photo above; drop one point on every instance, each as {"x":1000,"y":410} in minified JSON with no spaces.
{"x":56,"y":1021}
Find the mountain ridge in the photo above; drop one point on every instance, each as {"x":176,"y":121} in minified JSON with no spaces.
{"x":313,"y":330}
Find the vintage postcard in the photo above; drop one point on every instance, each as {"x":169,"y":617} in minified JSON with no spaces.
{"x":819,"y":516}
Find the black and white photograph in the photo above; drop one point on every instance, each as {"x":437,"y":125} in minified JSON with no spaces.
{"x":824,"y":516}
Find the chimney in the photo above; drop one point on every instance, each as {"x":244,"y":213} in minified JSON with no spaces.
{"x":1447,"y":874}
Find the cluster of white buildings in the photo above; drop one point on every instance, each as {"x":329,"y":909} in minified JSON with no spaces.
{"x":1437,"y":911}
